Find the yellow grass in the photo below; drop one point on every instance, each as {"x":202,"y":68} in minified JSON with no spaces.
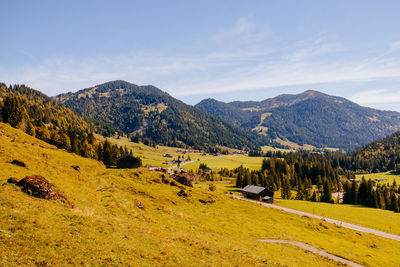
{"x":107,"y":228}
{"x":383,"y":175}
{"x":228,"y":161}
{"x":383,"y":220}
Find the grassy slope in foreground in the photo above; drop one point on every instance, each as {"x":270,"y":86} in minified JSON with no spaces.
{"x":107,"y":228}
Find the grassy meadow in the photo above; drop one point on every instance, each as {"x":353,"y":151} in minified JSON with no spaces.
{"x":388,"y":176}
{"x":383,"y":220}
{"x":228,"y":161}
{"x":154,"y":156}
{"x":108,"y":228}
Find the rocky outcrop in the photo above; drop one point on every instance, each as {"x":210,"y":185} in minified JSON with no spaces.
{"x":38,"y":186}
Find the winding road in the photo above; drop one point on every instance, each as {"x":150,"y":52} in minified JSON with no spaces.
{"x":329,"y":220}
{"x":313,"y":250}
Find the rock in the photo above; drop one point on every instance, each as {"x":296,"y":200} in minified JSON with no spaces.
{"x":39,"y":187}
{"x":173,"y":183}
{"x":140,"y":205}
{"x":12,"y":180}
{"x":183,"y":179}
{"x":209,"y":200}
{"x":76,"y":168}
{"x":183,"y":193}
{"x":18,"y":163}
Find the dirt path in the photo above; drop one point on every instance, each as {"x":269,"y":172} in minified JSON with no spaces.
{"x":337,"y":222}
{"x":313,"y":250}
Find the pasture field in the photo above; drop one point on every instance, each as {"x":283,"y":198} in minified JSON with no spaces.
{"x":107,"y":227}
{"x":228,"y":161}
{"x":383,"y":220}
{"x":388,"y":176}
{"x":153,"y":156}
{"x":274,"y":149}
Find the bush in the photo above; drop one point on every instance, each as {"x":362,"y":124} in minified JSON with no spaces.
{"x":212,"y":187}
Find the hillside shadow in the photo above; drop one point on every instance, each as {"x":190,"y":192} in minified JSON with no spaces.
{"x":231,"y":188}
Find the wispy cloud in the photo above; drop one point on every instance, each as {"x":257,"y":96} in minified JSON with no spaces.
{"x":244,"y":31}
{"x":234,"y":59}
{"x":380,"y":96}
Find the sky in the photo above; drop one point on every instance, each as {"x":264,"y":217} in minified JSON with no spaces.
{"x":228,"y":50}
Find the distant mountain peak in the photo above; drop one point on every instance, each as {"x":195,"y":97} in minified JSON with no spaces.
{"x":310,"y":117}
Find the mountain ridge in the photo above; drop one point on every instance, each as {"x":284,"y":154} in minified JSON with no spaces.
{"x":147,"y":111}
{"x":310,"y":117}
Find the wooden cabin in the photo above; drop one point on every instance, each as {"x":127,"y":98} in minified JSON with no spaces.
{"x":128,"y":162}
{"x":258,"y":193}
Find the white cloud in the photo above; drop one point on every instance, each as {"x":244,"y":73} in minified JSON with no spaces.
{"x":244,"y":63}
{"x":242,"y":32}
{"x":380,"y":96}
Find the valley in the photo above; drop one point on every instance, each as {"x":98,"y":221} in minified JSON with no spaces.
{"x":106,"y":226}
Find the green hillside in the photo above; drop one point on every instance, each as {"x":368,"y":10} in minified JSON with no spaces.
{"x":381,"y":155}
{"x":126,"y":217}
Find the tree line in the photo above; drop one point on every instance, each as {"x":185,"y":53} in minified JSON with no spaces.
{"x":45,"y":119}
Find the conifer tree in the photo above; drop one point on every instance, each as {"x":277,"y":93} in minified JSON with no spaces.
{"x":327,"y":194}
{"x":12,"y":111}
{"x":394,"y":205}
{"x":354,"y":192}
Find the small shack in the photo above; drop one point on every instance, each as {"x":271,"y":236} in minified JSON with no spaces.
{"x":258,"y":193}
{"x":128,"y":162}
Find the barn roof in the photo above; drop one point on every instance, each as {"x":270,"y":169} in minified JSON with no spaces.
{"x":126,"y":156}
{"x":253,"y":189}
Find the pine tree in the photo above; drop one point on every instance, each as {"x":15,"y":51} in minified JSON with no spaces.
{"x":239,"y":180}
{"x":347,"y":193}
{"x":12,"y":111}
{"x":363,"y":192}
{"x":327,"y":194}
{"x":30,"y":129}
{"x":314,"y":197}
{"x":394,"y":205}
{"x":354,"y":192}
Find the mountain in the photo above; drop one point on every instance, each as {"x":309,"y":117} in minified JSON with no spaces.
{"x":310,"y":118}
{"x":146,"y":111}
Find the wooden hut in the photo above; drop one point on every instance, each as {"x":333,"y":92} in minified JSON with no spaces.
{"x":258,"y":193}
{"x":128,"y":162}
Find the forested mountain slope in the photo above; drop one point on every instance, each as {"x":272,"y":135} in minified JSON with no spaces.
{"x":40,"y":116}
{"x":382,"y":155}
{"x":308,"y":118}
{"x":149,"y":112}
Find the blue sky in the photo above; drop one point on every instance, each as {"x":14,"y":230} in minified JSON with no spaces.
{"x":228,"y":50}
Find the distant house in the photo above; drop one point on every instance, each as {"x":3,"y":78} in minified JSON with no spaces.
{"x":258,"y":193}
{"x":155,"y":168}
{"x":128,"y":162}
